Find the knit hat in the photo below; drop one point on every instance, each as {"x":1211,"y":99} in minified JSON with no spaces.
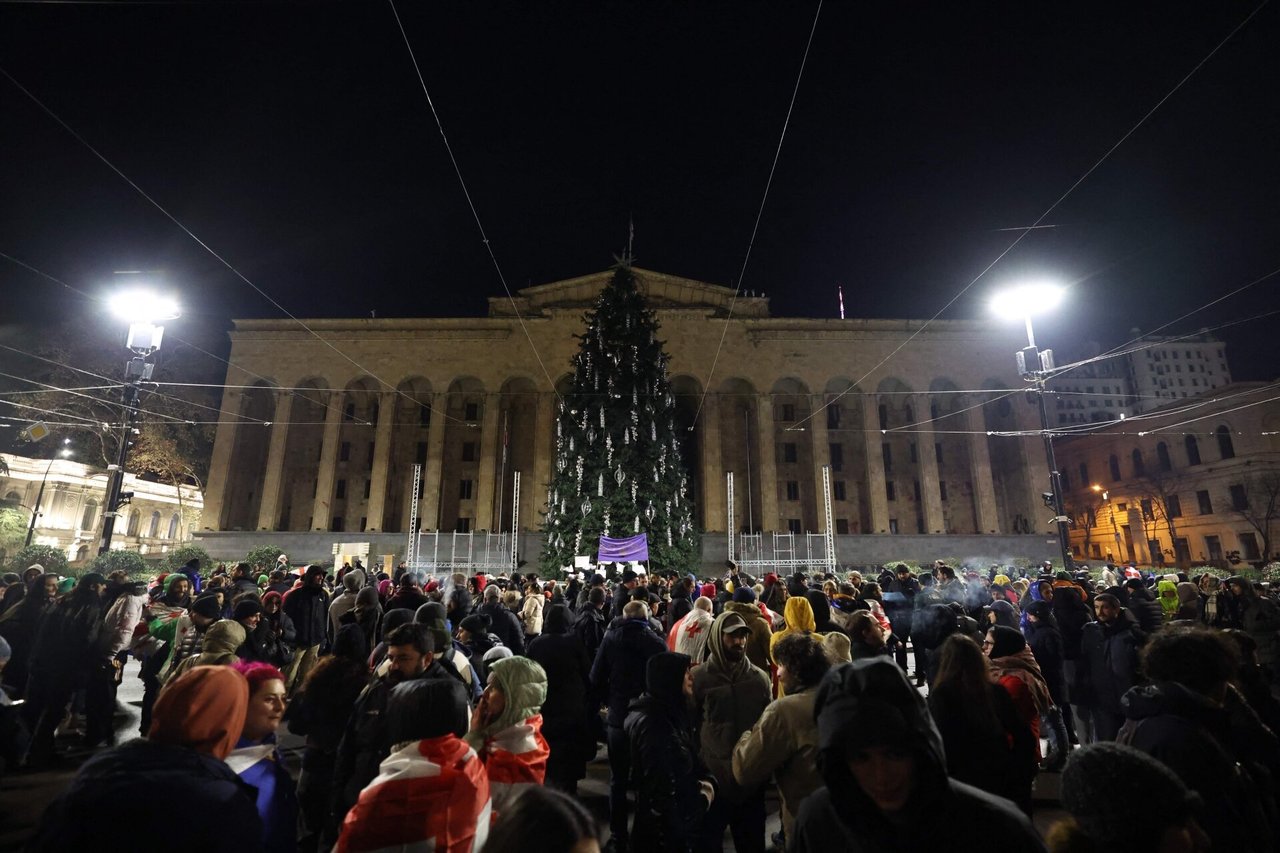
{"x":837,"y":647}
{"x":66,"y":585}
{"x":745,"y":595}
{"x":350,"y":642}
{"x":476,"y":623}
{"x":497,"y":653}
{"x":206,"y":606}
{"x":203,"y":709}
{"x":245,"y":608}
{"x":432,"y":616}
{"x":1097,"y":789}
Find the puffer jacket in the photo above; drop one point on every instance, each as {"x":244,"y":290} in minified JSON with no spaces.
{"x":839,"y":816}
{"x":783,"y":743}
{"x":761,"y":634}
{"x":531,"y":614}
{"x":728,"y":699}
{"x":617,"y":673}
{"x":1146,"y":610}
{"x":1260,"y":619}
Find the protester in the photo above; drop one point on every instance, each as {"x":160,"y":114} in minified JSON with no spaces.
{"x":866,"y":636}
{"x":567,"y":712}
{"x":352,"y":583}
{"x":506,"y":729}
{"x":531,"y":612}
{"x":1259,"y":618}
{"x":691,"y":632}
{"x":1143,"y":605}
{"x":729,"y":695}
{"x":107,"y":664}
{"x":783,"y":743}
{"x":432,"y":791}
{"x":502,"y":622}
{"x":545,"y":821}
{"x":20,"y":625}
{"x":1045,"y":641}
{"x":219,"y":647}
{"x":1015,"y":669}
{"x":744,"y":604}
{"x":591,"y":625}
{"x":256,"y":758}
{"x":308,"y":607}
{"x":1108,"y":665}
{"x":179,"y":767}
{"x":886,"y":781}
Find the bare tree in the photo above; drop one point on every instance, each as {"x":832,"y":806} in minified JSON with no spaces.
{"x":1159,"y":491}
{"x":1261,"y":504}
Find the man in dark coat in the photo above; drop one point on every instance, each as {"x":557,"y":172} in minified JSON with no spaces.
{"x":590,"y":626}
{"x":242,"y":580}
{"x":1143,"y":605}
{"x":566,"y":712}
{"x":622,"y":593}
{"x":673,"y":790}
{"x":618,"y":673}
{"x":1260,"y":619}
{"x":886,"y":780}
{"x":1108,"y":664}
{"x":502,"y":622}
{"x":308,"y":608}
{"x":1071,"y":610}
{"x":899,"y":606}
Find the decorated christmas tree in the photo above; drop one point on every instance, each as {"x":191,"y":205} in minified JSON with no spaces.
{"x":618,"y":469}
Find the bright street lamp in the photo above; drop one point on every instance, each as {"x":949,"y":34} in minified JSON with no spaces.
{"x":65,"y":453}
{"x":1022,"y":302}
{"x":144,"y":310}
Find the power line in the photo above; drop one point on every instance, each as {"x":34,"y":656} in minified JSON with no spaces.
{"x":1059,"y":201}
{"x":755,"y":228}
{"x":474,"y":213}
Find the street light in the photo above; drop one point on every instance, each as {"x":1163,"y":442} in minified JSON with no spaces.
{"x":65,"y":453}
{"x":1034,"y":365}
{"x":144,"y":311}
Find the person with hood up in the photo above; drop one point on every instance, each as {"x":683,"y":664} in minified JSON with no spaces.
{"x":366,"y":614}
{"x":352,"y":583}
{"x":1101,"y":822}
{"x":1001,"y":612}
{"x":1181,"y":719}
{"x":1015,"y":669}
{"x":477,"y":639}
{"x":319,"y":712}
{"x":219,"y":647}
{"x":1213,"y":606}
{"x":784,"y":741}
{"x":432,"y":791}
{"x":1260,"y":619}
{"x":20,"y":625}
{"x":799,"y":618}
{"x":109,"y":656}
{"x":1045,"y":641}
{"x":1168,"y":599}
{"x":1142,"y":604}
{"x":729,"y":695}
{"x":452,"y":656}
{"x":1108,"y":665}
{"x":191,"y":568}
{"x":1072,"y":613}
{"x":887,"y":788}
{"x":506,"y":729}
{"x":256,"y":759}
{"x":618,"y":676}
{"x":673,"y":789}
{"x":689,"y":636}
{"x":196,"y":721}
{"x":1189,"y":603}
{"x":744,"y":604}
{"x":567,"y":712}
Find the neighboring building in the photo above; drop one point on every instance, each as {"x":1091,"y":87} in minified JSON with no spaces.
{"x":1179,"y":484}
{"x":319,"y":445}
{"x":1157,"y":370}
{"x":158,"y":519}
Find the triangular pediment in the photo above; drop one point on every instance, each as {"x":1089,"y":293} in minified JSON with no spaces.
{"x":661,"y":290}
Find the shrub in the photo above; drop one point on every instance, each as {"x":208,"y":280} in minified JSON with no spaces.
{"x":263,"y":558}
{"x":129,"y":562}
{"x":179,"y":557}
{"x":53,"y":559}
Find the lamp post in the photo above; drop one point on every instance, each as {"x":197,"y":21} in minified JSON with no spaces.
{"x":1034,"y":366}
{"x":143,"y":311}
{"x":64,"y":453}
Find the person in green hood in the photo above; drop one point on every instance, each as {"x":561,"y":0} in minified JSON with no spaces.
{"x":506,"y":729}
{"x":1168,"y":599}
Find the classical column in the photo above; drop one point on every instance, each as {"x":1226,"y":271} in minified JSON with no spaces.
{"x":485,"y":488}
{"x":712,"y":496}
{"x":985,"y":508}
{"x":766,"y":456}
{"x":821,"y":456}
{"x":382,"y":438}
{"x":220,"y":464}
{"x":533,"y":493}
{"x":930,"y":492}
{"x":269,"y":510}
{"x":877,"y":500}
{"x":327,"y":469}
{"x":429,"y":504}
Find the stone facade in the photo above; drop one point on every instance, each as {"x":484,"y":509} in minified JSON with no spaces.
{"x":321,"y":432}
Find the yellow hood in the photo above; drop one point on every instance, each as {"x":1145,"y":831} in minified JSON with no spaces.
{"x":799,"y":614}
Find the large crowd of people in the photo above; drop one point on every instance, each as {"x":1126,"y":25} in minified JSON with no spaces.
{"x":893,"y":710}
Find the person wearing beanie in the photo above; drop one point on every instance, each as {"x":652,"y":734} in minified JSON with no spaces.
{"x":191,"y":569}
{"x":308,"y":607}
{"x":673,"y":789}
{"x":568,"y":714}
{"x":432,"y":617}
{"x":367,"y":614}
{"x":432,"y":791}
{"x":257,"y":643}
{"x":256,"y":758}
{"x":1095,"y":785}
{"x":345,"y":600}
{"x":729,"y":695}
{"x":783,"y":743}
{"x":475,"y":637}
{"x":506,"y":729}
{"x":195,"y":724}
{"x":744,"y":604}
{"x":886,"y":784}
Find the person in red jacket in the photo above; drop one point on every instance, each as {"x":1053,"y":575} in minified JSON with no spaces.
{"x":432,"y":789}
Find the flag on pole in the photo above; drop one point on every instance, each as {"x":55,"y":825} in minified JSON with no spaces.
{"x":840,"y":295}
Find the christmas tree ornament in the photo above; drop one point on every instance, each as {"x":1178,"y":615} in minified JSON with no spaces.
{"x":600,"y":489}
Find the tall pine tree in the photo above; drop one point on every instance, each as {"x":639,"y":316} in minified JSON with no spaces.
{"x":618,"y":469}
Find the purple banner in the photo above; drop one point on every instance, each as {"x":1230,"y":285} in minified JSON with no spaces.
{"x":624,"y":550}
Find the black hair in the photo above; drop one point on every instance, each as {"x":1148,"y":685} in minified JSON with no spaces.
{"x":596,"y":596}
{"x":412,"y":634}
{"x":1195,"y":657}
{"x":803,"y":656}
{"x":543,"y":820}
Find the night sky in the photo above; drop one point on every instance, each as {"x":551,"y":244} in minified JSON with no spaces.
{"x":294,"y":139}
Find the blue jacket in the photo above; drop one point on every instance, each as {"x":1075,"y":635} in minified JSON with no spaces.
{"x":619,"y":668}
{"x":276,"y":800}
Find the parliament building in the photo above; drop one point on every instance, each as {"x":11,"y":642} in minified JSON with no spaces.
{"x":321,"y":427}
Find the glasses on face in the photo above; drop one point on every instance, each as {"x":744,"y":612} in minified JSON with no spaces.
{"x":986,"y":644}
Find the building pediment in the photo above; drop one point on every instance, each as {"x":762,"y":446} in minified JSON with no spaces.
{"x":663,"y":291}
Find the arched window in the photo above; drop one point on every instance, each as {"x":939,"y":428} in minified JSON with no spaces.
{"x":884,"y":416}
{"x":1225,"y":448}
{"x":1162,"y":454}
{"x":174,"y":523}
{"x":90,"y":514}
{"x":135,"y":521}
{"x":1114,"y":464}
{"x":1139,"y":467}
{"x":1084,"y":474}
{"x":153,"y":529}
{"x":13,"y":498}
{"x":1193,"y":450}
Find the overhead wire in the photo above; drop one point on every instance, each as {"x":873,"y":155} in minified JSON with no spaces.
{"x":484,"y":237}
{"x":755,"y":228}
{"x":1107,"y":154}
